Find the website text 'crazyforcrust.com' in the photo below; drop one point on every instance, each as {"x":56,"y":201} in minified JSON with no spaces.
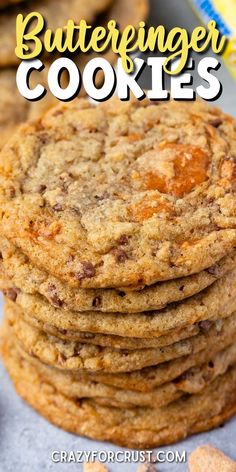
{"x":120,"y":457}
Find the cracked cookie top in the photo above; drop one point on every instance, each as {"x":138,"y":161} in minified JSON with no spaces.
{"x":122,"y":194}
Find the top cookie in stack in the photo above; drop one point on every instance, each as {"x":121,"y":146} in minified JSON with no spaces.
{"x":121,"y":195}
{"x":118,"y":227}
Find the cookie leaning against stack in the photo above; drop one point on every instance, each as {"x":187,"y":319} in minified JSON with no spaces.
{"x":118,"y":264}
{"x":14,"y":109}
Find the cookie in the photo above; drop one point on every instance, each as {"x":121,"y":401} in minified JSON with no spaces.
{"x":14,"y":109}
{"x":217,"y":301}
{"x":55,"y":12}
{"x":74,"y":355}
{"x":192,"y":381}
{"x":97,"y":225}
{"x":7,"y":3}
{"x":106,"y":340}
{"x":149,"y":378}
{"x":78,"y":356}
{"x":140,"y":427}
{"x":207,"y":458}
{"x":24,"y":275}
{"x":124,"y":14}
{"x":94,"y":466}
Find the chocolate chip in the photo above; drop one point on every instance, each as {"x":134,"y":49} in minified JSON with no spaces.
{"x":121,"y":294}
{"x":64,"y":188}
{"x":64,"y":184}
{"x":181,"y":288}
{"x":57,"y":112}
{"x":153,"y":102}
{"x":120,"y":255}
{"x":125,"y":353}
{"x":53,"y":296}
{"x":211,"y":364}
{"x":57,"y":207}
{"x":123,"y":240}
{"x":71,"y":259}
{"x":101,"y":197}
{"x":216,"y":122}
{"x":97,"y":301}
{"x":77,"y":211}
{"x":11,"y":293}
{"x":12,"y":192}
{"x":77,"y":351}
{"x":213,"y":270}
{"x":87,"y":271}
{"x":61,"y":358}
{"x":1,"y":256}
{"x":41,"y":188}
{"x":56,"y":301}
{"x":180,"y":378}
{"x":205,"y":325}
{"x":62,"y":331}
{"x":99,"y":264}
{"x":43,"y":138}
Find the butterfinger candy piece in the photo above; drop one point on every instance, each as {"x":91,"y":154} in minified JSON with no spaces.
{"x":209,"y":459}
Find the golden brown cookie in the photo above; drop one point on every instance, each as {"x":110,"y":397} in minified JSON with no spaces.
{"x":149,"y":378}
{"x":209,"y":459}
{"x":56,"y":14}
{"x":24,"y":275}
{"x":97,"y":225}
{"x":7,"y":3}
{"x":191,"y":381}
{"x":139,"y":427}
{"x":74,"y":355}
{"x":106,"y":340}
{"x":94,"y":467}
{"x":78,"y":356}
{"x":217,"y":301}
{"x":14,"y":109}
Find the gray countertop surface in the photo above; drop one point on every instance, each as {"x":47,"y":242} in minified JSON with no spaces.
{"x":27,"y":440}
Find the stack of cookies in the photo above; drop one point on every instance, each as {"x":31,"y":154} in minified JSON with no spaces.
{"x":14,"y":109}
{"x":118,"y":237}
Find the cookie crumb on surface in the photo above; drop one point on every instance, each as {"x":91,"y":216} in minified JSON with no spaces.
{"x":94,"y":467}
{"x":147,"y":467}
{"x":209,"y":459}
